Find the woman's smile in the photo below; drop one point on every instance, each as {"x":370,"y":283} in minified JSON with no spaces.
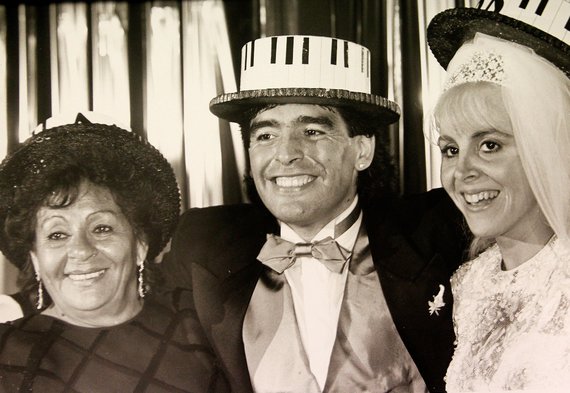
{"x":86,"y":278}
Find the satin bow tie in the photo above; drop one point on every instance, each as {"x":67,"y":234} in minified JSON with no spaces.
{"x":279,"y":254}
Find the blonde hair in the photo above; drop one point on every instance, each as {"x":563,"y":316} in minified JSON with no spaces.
{"x":536,"y":96}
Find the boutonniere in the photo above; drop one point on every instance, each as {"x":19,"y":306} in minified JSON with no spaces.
{"x":437,"y":303}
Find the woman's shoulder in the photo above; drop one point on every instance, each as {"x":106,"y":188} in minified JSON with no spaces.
{"x":476,"y":268}
{"x":178,"y":345}
{"x":19,"y":337}
{"x":560,"y":251}
{"x":555,"y":277}
{"x":170,"y":314}
{"x":36,"y":323}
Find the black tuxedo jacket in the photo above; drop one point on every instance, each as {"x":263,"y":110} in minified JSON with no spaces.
{"x":416,"y":243}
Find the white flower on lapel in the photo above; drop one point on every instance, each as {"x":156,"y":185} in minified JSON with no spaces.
{"x":438,"y":302}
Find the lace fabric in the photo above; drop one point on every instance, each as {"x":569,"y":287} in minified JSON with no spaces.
{"x":512,"y":327}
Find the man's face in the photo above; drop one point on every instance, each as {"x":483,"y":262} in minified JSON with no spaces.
{"x":305,"y":164}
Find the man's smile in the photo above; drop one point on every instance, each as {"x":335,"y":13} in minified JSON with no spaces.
{"x":293,"y":181}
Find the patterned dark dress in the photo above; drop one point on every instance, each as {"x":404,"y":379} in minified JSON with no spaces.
{"x":153,"y":352}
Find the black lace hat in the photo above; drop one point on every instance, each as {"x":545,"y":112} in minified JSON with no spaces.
{"x":545,"y":28}
{"x":121,"y":158}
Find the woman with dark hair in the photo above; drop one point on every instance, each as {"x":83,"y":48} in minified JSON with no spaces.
{"x":504,"y":133}
{"x":84,"y":210}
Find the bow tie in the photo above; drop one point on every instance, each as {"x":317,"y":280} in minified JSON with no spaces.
{"x":279,"y":254}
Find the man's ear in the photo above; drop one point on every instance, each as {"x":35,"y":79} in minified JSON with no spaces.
{"x":365,"y":147}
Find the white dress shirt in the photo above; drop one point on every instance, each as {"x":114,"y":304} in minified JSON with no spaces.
{"x":318,"y":293}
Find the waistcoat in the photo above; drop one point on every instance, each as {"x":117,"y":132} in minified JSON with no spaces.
{"x":368,"y":354}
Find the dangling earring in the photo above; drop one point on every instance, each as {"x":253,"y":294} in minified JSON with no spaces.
{"x":40,"y":300}
{"x":140,"y":279}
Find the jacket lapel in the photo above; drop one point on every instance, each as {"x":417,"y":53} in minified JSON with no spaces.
{"x":410,"y":276}
{"x":225,"y":284}
{"x":221,"y":307}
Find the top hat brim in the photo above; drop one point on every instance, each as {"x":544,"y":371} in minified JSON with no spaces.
{"x":234,"y":106}
{"x":449,"y":29}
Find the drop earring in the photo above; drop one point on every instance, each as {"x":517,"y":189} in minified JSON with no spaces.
{"x":140,"y":279}
{"x":40,"y":299}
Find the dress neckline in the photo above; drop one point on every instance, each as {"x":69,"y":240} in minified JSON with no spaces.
{"x":529,"y":266}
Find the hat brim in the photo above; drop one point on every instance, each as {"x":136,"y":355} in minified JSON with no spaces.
{"x":449,"y":29}
{"x":234,"y":106}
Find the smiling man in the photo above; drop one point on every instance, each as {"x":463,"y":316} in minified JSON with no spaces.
{"x":304,"y":164}
{"x":326,"y":285}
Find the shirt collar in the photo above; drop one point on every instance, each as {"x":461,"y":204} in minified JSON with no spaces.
{"x":347,"y":239}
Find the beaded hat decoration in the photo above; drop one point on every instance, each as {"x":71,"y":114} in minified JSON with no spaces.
{"x":305,"y":70}
{"x":120,"y":156}
{"x":543,"y":26}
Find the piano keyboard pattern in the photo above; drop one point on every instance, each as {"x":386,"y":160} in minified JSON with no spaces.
{"x":550,"y":16}
{"x":305,"y":61}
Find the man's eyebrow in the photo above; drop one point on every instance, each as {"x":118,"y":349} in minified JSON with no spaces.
{"x":255,"y":125}
{"x":322,"y":120}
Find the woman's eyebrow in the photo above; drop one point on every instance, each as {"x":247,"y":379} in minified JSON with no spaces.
{"x":444,"y":139}
{"x":484,"y":133}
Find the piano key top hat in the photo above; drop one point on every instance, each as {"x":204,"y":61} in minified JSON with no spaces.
{"x":305,"y":70}
{"x":542,"y":25}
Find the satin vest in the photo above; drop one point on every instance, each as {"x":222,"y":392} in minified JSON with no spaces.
{"x":368,"y":354}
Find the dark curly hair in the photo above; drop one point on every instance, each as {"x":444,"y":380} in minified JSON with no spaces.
{"x":47,"y":170}
{"x":380,"y":179}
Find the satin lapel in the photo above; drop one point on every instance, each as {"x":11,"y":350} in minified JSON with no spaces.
{"x":409,"y":280}
{"x":223,"y":287}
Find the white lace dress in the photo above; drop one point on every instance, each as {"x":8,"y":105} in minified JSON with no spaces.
{"x":512,"y":327}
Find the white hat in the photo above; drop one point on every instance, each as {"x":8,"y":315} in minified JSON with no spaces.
{"x":305,"y":70}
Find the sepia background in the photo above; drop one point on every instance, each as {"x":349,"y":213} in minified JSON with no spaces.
{"x":154,"y":66}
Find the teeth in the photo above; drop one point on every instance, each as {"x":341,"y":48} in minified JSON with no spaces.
{"x":87,"y":276}
{"x":293,"y":181}
{"x":481,"y":196}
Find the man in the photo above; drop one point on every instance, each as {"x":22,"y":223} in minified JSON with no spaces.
{"x":323,"y":288}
